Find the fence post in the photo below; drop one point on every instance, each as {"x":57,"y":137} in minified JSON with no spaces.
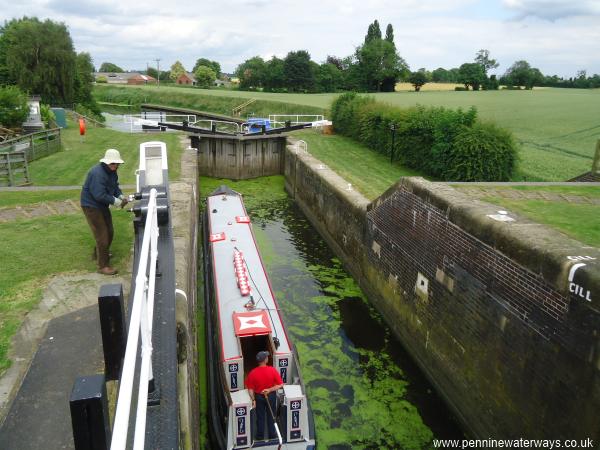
{"x":11,"y":180}
{"x":596,"y":163}
{"x":114,"y":333}
{"x":89,"y":413}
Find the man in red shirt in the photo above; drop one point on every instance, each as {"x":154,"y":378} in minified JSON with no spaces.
{"x":262,"y":383}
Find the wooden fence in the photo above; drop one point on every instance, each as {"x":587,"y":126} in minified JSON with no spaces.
{"x":15,"y":154}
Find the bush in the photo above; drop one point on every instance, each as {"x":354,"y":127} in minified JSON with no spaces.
{"x":461,"y":88}
{"x":482,"y":152}
{"x":443,"y":143}
{"x":14,"y":109}
{"x":48,"y":116}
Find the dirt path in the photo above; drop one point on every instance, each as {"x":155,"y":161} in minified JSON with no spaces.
{"x":34,"y":210}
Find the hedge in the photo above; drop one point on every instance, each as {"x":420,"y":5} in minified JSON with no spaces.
{"x":443,"y":143}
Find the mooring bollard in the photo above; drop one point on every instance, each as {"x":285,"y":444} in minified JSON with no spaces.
{"x":89,"y":413}
{"x":114,"y":332}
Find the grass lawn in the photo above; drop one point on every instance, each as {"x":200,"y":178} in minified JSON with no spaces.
{"x":8,"y":199}
{"x":35,"y":249}
{"x":70,"y":166}
{"x":369,"y":173}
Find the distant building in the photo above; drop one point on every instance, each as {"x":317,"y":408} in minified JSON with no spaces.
{"x":186,"y":78}
{"x":140,"y":79}
{"x":124,"y":78}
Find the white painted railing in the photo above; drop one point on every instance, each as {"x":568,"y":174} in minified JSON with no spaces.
{"x":207,"y":123}
{"x":140,"y":323}
{"x":136,"y":121}
{"x":279,"y":120}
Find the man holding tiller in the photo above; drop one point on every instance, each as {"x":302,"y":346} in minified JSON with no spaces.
{"x":263,"y":382}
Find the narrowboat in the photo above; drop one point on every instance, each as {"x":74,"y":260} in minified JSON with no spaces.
{"x":243,"y":318}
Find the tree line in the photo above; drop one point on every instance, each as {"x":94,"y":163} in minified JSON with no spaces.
{"x":375,"y":66}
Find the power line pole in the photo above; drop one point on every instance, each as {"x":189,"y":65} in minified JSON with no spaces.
{"x":157,"y":72}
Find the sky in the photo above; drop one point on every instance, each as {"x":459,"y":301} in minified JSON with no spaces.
{"x":558,"y":37}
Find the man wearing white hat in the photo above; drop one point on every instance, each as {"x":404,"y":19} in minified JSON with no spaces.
{"x":100,"y":190}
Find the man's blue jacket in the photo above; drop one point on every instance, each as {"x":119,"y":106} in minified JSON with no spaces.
{"x":100,"y":188}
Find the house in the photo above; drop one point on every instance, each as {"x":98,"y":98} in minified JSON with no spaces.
{"x":186,"y":78}
{"x":123,"y":78}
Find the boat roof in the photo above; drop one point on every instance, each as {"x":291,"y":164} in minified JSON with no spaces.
{"x":230,"y":229}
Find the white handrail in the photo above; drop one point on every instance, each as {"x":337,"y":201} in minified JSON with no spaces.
{"x":217,"y":122}
{"x":141,"y":320}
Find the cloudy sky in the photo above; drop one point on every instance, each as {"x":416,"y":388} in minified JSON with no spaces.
{"x":557,"y":36}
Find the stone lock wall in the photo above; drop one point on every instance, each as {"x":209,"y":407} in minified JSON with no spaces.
{"x":502,"y":316}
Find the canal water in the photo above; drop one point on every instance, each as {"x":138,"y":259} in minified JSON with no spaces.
{"x":364,"y":389}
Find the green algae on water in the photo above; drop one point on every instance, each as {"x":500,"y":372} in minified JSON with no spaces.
{"x":355,"y":389}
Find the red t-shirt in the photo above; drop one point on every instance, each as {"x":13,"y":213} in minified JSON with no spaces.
{"x":263,"y":377}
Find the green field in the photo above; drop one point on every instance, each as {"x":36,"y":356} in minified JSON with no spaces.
{"x":70,"y":166}
{"x":557,"y":129}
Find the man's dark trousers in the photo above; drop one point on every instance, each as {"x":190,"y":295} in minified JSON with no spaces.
{"x":100,"y":221}
{"x":262,"y":410}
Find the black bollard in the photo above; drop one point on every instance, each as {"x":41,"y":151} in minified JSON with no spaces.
{"x":89,"y":413}
{"x":114,"y":330}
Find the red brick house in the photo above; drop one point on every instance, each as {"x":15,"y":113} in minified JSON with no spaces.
{"x":187,"y":79}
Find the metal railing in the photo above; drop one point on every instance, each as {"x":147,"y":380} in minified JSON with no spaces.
{"x":238,"y":109}
{"x":279,"y":120}
{"x":219,"y":125}
{"x":137,"y":121}
{"x":140,"y":323}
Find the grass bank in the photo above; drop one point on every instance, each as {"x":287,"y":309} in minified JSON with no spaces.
{"x":70,"y":166}
{"x":215,"y":101}
{"x":369,"y":173}
{"x":33,"y":250}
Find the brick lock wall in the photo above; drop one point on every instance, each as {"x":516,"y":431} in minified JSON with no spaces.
{"x":512,"y":354}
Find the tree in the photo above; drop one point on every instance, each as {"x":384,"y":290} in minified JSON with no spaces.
{"x":152,"y":72}
{"x":329,"y":78}
{"x":83,"y":80}
{"x":378,"y":64}
{"x":110,"y":67}
{"x":214,"y":65}
{"x":177,"y":70}
{"x":205,"y":76}
{"x":418,"y":79}
{"x":483,"y":57}
{"x":251,"y":73}
{"x":39,"y":58}
{"x":522,"y":74}
{"x":13,"y":106}
{"x":274,"y":76}
{"x":471,"y":74}
{"x":389,"y":33}
{"x":299,"y":76}
{"x":373,"y":32}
